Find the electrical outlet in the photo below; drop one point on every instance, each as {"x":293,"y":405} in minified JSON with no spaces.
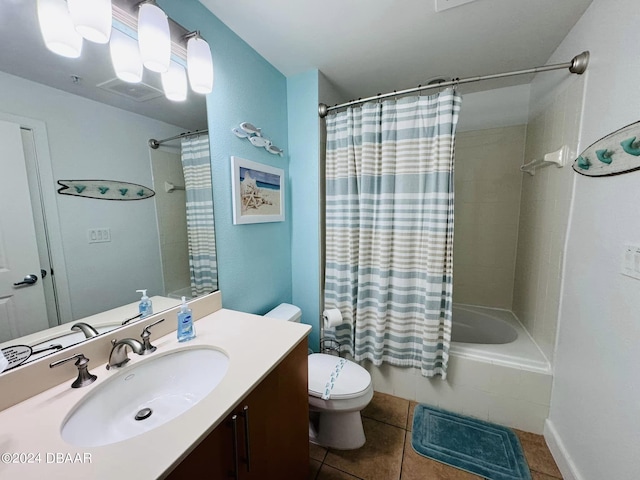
{"x":99,"y":235}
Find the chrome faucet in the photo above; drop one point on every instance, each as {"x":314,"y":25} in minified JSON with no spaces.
{"x":146,"y":343}
{"x":84,"y":376}
{"x":85,"y":328}
{"x":118,"y":356}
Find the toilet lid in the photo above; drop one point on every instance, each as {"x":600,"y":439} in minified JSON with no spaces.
{"x":351,"y":382}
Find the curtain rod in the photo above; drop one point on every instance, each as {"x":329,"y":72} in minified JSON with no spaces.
{"x":578,"y":65}
{"x":153,"y":143}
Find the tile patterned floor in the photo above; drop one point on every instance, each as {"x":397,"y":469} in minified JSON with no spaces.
{"x":388,"y":454}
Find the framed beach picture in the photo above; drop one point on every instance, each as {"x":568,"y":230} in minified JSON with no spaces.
{"x":257,"y":192}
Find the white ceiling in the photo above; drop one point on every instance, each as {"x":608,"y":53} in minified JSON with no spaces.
{"x":363,"y":47}
{"x":366,"y":47}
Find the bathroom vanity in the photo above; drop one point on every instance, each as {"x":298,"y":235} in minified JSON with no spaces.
{"x":265,"y":435}
{"x":253,"y":424}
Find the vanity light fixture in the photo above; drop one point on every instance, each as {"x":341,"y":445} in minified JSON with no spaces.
{"x":154,"y":37}
{"x":139,"y":35}
{"x":199,"y":63}
{"x":92,"y":19}
{"x":174,"y":82}
{"x":58,"y":31}
{"x":125,"y":57}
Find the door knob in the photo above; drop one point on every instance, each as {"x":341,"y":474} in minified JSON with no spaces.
{"x":28,"y":280}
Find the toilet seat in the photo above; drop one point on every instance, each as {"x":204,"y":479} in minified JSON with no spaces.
{"x":353,"y":381}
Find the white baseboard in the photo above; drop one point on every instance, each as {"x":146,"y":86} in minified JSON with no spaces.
{"x":559,"y":452}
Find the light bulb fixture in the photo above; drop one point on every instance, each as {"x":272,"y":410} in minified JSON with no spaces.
{"x":57,"y":29}
{"x":154,"y":37}
{"x":199,"y":64}
{"x":92,"y":19}
{"x":174,"y":83}
{"x":125,"y":57}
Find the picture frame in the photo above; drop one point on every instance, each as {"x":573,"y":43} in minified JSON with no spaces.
{"x":258,"y":192}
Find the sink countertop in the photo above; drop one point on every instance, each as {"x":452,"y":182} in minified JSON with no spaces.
{"x":31,"y":446}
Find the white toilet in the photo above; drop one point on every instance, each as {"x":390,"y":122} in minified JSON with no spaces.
{"x":334,"y":422}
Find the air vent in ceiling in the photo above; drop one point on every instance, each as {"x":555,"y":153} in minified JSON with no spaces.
{"x":447,"y":4}
{"x":140,"y":92}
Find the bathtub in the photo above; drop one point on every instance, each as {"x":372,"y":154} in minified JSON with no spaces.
{"x":505,"y":380}
{"x":471,"y":326}
{"x":496,"y":336}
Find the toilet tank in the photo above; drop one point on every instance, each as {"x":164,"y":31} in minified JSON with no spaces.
{"x":285,"y":311}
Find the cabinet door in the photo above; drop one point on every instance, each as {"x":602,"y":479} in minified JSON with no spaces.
{"x":211,"y":459}
{"x":272,"y":431}
{"x":278,"y":411}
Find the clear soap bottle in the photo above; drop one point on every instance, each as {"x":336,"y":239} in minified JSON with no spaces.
{"x":145,"y":308}
{"x":186,"y":330}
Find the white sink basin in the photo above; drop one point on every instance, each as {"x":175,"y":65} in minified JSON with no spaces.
{"x":168,"y":385}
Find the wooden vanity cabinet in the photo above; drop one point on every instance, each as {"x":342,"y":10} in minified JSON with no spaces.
{"x":276,"y":416}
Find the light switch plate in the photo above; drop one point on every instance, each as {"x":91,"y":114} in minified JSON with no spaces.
{"x":99,"y":235}
{"x":631,"y":261}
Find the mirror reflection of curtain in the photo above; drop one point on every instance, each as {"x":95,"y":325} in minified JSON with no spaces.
{"x":196,"y":165}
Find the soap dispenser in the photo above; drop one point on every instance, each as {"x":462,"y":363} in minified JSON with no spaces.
{"x":144,"y":307}
{"x":186,"y":330}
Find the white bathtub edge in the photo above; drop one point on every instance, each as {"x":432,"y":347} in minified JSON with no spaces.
{"x":560,"y":453}
{"x":529,"y":366}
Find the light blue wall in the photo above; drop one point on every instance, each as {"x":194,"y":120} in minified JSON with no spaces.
{"x":304,"y":142}
{"x":254,"y":260}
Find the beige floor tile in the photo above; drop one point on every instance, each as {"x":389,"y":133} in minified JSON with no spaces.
{"x":417,"y":467}
{"x":412,"y":406}
{"x":314,"y":468}
{"x":330,"y":473}
{"x":542,"y":476}
{"x":388,"y":409}
{"x":317,"y":452}
{"x":379,"y":459}
{"x":537,"y":454}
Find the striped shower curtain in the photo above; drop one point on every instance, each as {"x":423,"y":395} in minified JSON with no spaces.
{"x":196,"y":166}
{"x":389,"y":229}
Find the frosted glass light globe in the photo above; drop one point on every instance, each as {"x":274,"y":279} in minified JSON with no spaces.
{"x":199,"y":65}
{"x":57,"y":29}
{"x":125,"y":57}
{"x":154,"y":38}
{"x":174,"y":83}
{"x":92,"y":19}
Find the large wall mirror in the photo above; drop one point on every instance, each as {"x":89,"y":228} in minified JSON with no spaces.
{"x":72,"y":119}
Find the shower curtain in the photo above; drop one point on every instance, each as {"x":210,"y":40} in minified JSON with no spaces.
{"x":196,"y":165}
{"x":389,"y":229}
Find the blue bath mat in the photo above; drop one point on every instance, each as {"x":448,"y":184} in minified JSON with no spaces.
{"x":483,"y":448}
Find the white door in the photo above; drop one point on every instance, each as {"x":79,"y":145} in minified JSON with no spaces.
{"x":22,"y":308}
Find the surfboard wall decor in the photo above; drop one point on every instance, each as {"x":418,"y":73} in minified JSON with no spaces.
{"x":615,"y":154}
{"x":105,"y":189}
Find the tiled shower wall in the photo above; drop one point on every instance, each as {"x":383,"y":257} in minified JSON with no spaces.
{"x":487,"y":204}
{"x":544,"y":213}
